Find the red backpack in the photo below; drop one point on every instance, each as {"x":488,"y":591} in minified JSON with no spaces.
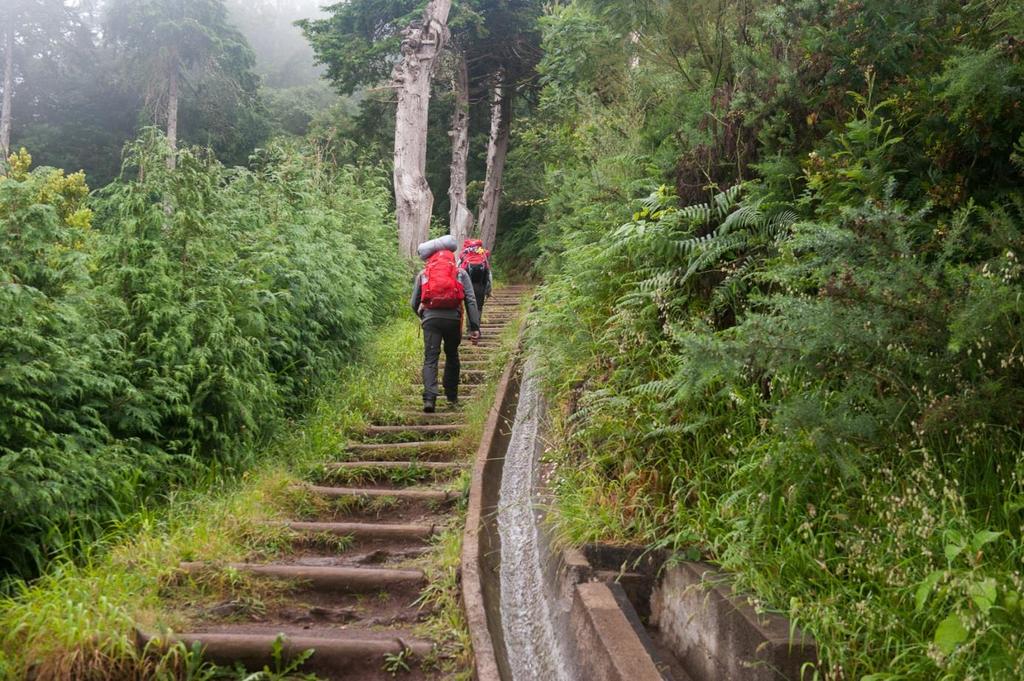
{"x":475,"y":260}
{"x":440,"y":288}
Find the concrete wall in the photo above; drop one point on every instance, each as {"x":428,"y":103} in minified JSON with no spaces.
{"x":611,"y":644}
{"x":718,"y":636}
{"x":481,"y":546}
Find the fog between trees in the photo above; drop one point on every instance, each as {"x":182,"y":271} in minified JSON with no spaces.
{"x":82,"y":82}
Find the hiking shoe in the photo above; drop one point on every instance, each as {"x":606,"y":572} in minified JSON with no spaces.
{"x":453,"y":400}
{"x":428,"y":406}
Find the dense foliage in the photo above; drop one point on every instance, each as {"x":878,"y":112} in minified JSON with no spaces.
{"x":169,"y":323}
{"x":783,"y":313}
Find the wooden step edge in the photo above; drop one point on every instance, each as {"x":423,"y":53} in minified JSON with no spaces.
{"x":405,"y":493}
{"x":415,"y":391}
{"x":328,"y":578}
{"x":424,"y":418}
{"x":344,"y":651}
{"x":430,"y":445}
{"x":420,"y":417}
{"x":422,"y":428}
{"x":396,"y":465}
{"x":363,"y":530}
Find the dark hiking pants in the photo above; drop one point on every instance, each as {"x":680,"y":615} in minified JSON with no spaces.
{"x":435,"y":332}
{"x":478,"y":293}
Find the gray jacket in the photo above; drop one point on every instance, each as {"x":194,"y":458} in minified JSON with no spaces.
{"x":472,"y":312}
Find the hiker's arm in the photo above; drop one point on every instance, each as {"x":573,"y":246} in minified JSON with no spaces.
{"x":415,"y":302}
{"x":472,"y":311}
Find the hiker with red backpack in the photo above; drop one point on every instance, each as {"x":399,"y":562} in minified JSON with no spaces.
{"x":439,"y":293}
{"x":475,"y":260}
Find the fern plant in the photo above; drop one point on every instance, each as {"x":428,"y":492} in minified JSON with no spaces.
{"x":700,"y":256}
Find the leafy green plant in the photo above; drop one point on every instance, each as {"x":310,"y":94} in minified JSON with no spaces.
{"x":79,"y":618}
{"x":285,"y":668}
{"x":394,"y":663}
{"x":809,"y":379}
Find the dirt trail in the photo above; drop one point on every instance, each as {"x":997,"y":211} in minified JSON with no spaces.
{"x":356,"y":599}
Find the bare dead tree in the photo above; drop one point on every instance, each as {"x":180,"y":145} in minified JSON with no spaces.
{"x":5,"y":108}
{"x":497,"y":151}
{"x":460,"y":217}
{"x":422,"y":43}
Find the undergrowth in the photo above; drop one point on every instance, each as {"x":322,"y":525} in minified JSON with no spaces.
{"x":163,"y":329}
{"x":782,"y":321}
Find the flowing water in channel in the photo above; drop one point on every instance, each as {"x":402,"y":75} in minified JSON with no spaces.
{"x":534,"y":650}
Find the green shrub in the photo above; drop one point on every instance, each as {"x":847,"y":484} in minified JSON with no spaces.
{"x":814,"y":377}
{"x":172,"y":330}
{"x":56,"y":452}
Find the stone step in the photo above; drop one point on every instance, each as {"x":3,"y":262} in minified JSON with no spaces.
{"x":417,"y":386}
{"x":465,"y":389}
{"x":405,"y":448}
{"x":395,"y":465}
{"x":413,"y":400}
{"x":418,"y":429}
{"x":419,"y":417}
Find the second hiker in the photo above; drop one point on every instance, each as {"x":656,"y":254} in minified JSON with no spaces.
{"x":439,"y":293}
{"x":475,"y":260}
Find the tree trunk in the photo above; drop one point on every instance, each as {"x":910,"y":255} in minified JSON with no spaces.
{"x":172,"y":117}
{"x":5,"y":108}
{"x":421,"y":44}
{"x":460,"y":218}
{"x":497,"y":150}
